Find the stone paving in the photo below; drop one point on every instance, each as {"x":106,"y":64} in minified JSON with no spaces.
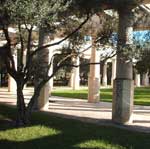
{"x":99,"y":113}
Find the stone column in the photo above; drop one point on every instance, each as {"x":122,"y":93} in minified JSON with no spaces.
{"x":94,"y":76}
{"x":76,"y":79}
{"x":75,"y":75}
{"x":104,"y":81}
{"x":122,"y":105}
{"x":12,"y":86}
{"x":113,"y":75}
{"x":42,"y":63}
{"x":24,"y":62}
{"x":71,"y":79}
{"x":51,"y":81}
{"x":0,"y":79}
{"x":137,"y":80}
{"x":145,"y":79}
{"x":24,"y":57}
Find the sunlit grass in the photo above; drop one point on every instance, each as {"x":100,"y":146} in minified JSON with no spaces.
{"x":28,"y":133}
{"x":141,"y":94}
{"x":99,"y":144}
{"x":51,"y":132}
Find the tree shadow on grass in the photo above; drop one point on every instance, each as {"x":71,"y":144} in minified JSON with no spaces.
{"x":72,"y":133}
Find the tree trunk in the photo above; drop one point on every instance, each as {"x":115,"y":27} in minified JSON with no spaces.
{"x":31,"y":105}
{"x":21,"y":108}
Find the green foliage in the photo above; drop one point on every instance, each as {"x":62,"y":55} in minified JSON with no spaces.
{"x":86,"y":6}
{"x":33,"y":12}
{"x":143,"y":64}
{"x":142,"y":53}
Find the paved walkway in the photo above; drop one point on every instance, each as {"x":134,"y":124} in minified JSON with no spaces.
{"x":99,"y":113}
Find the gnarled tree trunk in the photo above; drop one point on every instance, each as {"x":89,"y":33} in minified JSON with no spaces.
{"x":21,"y":108}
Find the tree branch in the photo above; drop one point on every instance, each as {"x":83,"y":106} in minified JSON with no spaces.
{"x":145,"y":9}
{"x":22,"y":47}
{"x":53,"y":44}
{"x":56,"y":43}
{"x":28,"y":54}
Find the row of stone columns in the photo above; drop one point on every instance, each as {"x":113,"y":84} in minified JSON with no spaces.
{"x":113,"y":74}
{"x":75,"y":78}
{"x":122,"y":105}
{"x":144,"y":82}
{"x":138,"y":80}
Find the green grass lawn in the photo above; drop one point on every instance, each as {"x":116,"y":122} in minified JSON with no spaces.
{"x":50,"y":132}
{"x":141,"y":95}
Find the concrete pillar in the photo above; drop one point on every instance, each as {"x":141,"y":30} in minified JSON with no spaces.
{"x":75,"y":75}
{"x":0,"y":79}
{"x":51,"y":81}
{"x":122,"y":105}
{"x":44,"y":96}
{"x":71,"y":79}
{"x":24,"y":57}
{"x":145,"y":79}
{"x":113,"y":76}
{"x":104,"y":81}
{"x":137,"y":80}
{"x":94,"y":76}
{"x":76,"y":78}
{"x":51,"y":85}
{"x":12,"y":86}
{"x":42,"y":62}
{"x":24,"y":62}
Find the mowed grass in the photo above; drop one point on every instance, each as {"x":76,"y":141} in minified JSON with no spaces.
{"x":51,"y":132}
{"x":141,"y":94}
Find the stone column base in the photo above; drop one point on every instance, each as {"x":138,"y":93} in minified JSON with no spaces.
{"x":44,"y":96}
{"x":93,"y":90}
{"x":122,"y":105}
{"x":12,"y":86}
{"x":43,"y":99}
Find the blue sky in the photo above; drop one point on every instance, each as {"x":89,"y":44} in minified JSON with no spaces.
{"x":139,"y":36}
{"x":142,"y":36}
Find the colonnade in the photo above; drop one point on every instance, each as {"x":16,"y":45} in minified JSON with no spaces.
{"x":75,"y":74}
{"x":122,"y":73}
